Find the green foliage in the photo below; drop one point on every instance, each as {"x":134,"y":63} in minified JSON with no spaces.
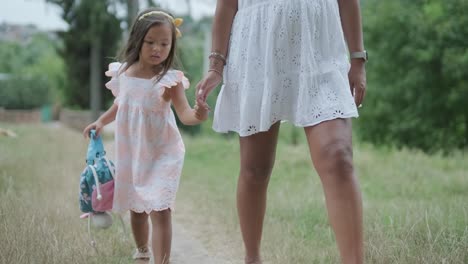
{"x":417,"y":77}
{"x":35,"y":73}
{"x":87,"y":20}
{"x":23,"y":93}
{"x":10,"y":57}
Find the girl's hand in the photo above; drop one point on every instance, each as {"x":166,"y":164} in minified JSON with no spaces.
{"x":201,"y":111}
{"x":357,"y":81}
{"x":206,"y":85}
{"x":97,"y":125}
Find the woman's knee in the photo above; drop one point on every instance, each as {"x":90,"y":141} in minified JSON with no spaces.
{"x":336,"y":157}
{"x":256,"y":174}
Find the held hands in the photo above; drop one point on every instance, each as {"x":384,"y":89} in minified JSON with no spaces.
{"x":206,"y":85}
{"x":201,"y":111}
{"x":97,"y":125}
{"x":357,"y":81}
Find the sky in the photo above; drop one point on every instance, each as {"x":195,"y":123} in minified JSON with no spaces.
{"x":47,"y":16}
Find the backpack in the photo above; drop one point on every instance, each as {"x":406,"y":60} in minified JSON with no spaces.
{"x":97,"y":179}
{"x":97,"y":187}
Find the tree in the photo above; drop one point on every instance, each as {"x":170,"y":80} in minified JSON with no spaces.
{"x":94,"y":33}
{"x":418,"y":82}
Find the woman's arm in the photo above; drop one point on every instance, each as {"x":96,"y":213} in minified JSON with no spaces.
{"x":352,"y":28}
{"x":351,"y":22}
{"x":186,"y":114}
{"x":222,"y":24}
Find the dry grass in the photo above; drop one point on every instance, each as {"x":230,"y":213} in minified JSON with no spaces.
{"x":416,"y":208}
{"x":39,"y":213}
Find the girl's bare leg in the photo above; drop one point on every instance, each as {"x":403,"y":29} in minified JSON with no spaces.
{"x":162,"y":236}
{"x":140,"y":229}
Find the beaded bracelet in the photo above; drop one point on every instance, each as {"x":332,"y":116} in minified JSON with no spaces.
{"x":215,"y":70}
{"x":219,"y":56}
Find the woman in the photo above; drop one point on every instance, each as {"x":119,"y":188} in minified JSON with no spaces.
{"x":287,"y":60}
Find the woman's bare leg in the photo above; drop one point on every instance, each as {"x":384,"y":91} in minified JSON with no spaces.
{"x":257,"y":157}
{"x":330,"y":145}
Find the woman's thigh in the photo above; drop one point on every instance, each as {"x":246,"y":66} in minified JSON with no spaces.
{"x":330,"y":145}
{"x":257,"y":152}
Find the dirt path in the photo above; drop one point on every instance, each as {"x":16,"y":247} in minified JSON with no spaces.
{"x":187,"y":249}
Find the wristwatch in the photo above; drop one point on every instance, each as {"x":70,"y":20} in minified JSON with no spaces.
{"x":359,"y":55}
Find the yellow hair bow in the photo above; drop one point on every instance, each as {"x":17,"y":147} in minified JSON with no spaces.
{"x":176,"y":21}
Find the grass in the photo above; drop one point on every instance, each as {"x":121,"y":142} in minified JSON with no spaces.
{"x":39,"y":213}
{"x":415,"y":205}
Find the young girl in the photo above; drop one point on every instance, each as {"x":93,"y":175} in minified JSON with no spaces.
{"x":148,"y":146}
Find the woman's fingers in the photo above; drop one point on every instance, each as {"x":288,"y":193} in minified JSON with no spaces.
{"x":198,"y":90}
{"x":205,"y":86}
{"x":359,"y":92}
{"x":363,"y":93}
{"x":200,"y":93}
{"x":357,"y":83}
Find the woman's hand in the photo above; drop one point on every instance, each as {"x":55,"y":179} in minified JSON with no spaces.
{"x":201,"y":111}
{"x":206,"y":86}
{"x":97,"y":125}
{"x":357,"y":81}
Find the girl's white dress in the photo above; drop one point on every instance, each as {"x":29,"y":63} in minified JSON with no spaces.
{"x":287,"y":61}
{"x":149,"y":151}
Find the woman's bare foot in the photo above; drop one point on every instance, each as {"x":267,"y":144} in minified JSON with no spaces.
{"x":253,"y":261}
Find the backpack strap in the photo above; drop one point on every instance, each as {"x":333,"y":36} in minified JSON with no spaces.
{"x":111,"y":167}
{"x":96,"y":179}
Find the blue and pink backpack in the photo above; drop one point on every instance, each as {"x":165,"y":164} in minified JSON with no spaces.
{"x":97,"y":187}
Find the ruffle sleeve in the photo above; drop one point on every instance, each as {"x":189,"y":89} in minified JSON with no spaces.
{"x":173,"y":78}
{"x":113,"y":84}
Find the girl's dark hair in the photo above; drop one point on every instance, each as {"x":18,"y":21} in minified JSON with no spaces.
{"x":131,"y":52}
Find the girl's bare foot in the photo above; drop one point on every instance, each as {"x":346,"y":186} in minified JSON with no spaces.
{"x":142,"y":255}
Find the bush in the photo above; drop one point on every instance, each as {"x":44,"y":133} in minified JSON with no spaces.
{"x":417,"y":77}
{"x":24,"y":93}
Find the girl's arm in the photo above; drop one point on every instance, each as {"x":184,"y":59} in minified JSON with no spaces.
{"x":222,"y":24}
{"x":109,"y":115}
{"x":352,"y":28}
{"x":186,"y":114}
{"x":102,"y":121}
